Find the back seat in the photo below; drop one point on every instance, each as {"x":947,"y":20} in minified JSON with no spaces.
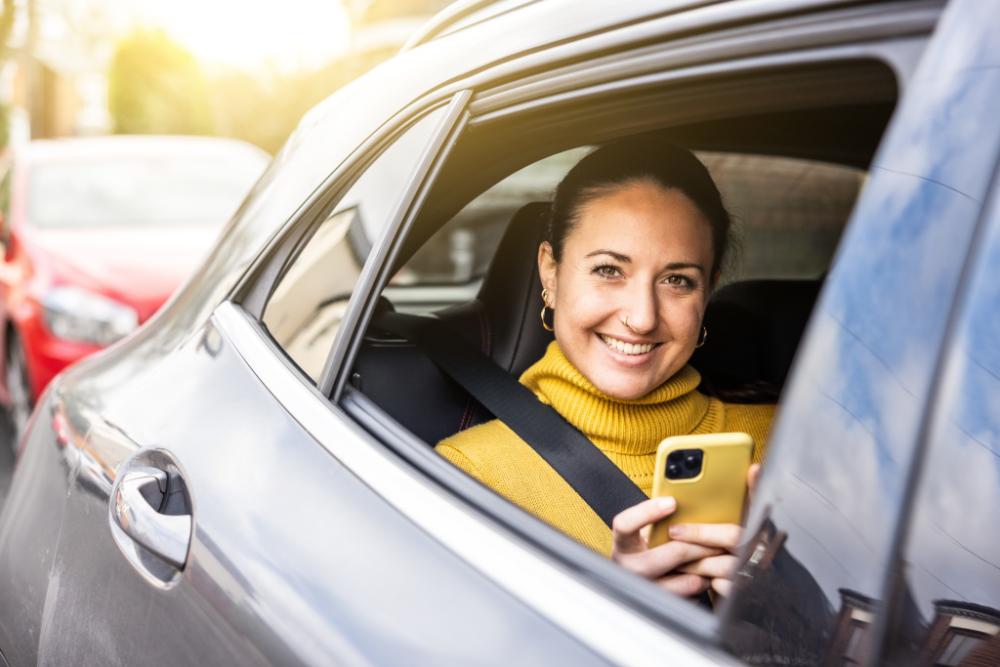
{"x":754,"y":329}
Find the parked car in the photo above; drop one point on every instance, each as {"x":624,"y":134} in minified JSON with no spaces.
{"x":97,"y":234}
{"x":249,"y":478}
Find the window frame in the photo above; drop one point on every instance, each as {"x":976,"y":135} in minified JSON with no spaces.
{"x":254,"y":290}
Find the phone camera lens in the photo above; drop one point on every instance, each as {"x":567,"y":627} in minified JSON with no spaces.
{"x":673,"y":470}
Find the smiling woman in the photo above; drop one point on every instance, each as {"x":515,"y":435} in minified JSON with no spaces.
{"x":636,"y":236}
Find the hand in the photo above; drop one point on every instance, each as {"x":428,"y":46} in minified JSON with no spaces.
{"x":719,"y":569}
{"x":630,"y":549}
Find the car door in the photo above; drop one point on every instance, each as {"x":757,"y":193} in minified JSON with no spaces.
{"x":835,"y":496}
{"x":947,"y":592}
{"x":290,"y":558}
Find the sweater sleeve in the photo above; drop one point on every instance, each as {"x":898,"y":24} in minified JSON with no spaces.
{"x":458,"y":459}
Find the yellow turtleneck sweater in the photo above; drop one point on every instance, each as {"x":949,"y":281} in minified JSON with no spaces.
{"x":628,"y":432}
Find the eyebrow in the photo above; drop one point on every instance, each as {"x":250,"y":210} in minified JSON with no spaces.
{"x":625,"y":259}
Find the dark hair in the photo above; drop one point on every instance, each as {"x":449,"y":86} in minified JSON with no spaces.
{"x":638,"y":159}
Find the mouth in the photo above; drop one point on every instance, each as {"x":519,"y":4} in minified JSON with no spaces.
{"x":626,"y":348}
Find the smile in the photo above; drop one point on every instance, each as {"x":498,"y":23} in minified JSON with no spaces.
{"x":622,"y":347}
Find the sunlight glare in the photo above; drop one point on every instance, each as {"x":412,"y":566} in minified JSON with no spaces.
{"x":286,"y":35}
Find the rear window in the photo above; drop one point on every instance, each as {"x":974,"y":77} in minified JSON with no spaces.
{"x":147,"y":191}
{"x":788,"y":214}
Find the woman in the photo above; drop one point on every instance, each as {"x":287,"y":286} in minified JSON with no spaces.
{"x":637,"y":235}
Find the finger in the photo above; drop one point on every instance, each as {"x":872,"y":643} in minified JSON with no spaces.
{"x":712,"y":567}
{"x":685,"y":585}
{"x":626,"y":525}
{"x":722,"y":586}
{"x":658,"y":561}
{"x":753,"y":475}
{"x":720,"y":535}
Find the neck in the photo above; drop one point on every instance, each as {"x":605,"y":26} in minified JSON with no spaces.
{"x":618,"y":425}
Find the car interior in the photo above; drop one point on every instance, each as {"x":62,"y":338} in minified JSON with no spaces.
{"x":789,"y":159}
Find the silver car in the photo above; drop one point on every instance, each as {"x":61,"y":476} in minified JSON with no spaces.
{"x":250,"y":479}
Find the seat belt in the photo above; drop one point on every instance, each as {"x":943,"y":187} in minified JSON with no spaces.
{"x":601,"y":484}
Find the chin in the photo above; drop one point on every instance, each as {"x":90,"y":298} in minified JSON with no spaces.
{"x":623,"y":389}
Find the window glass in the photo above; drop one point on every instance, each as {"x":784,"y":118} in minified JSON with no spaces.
{"x":950,"y":597}
{"x":304,"y":312}
{"x":143,"y":191}
{"x":788,"y":213}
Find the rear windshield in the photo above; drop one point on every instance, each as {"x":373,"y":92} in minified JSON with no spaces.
{"x":141,"y":191}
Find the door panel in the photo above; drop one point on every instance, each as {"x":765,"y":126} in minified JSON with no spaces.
{"x":842,"y":452}
{"x":948,"y":600}
{"x":293,"y":560}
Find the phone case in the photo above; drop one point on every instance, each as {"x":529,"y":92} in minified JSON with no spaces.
{"x":717,"y":493}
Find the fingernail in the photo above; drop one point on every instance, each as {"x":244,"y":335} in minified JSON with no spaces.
{"x":666,"y":503}
{"x":676,"y":531}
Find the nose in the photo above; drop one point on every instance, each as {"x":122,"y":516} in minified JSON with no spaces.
{"x":640,"y":309}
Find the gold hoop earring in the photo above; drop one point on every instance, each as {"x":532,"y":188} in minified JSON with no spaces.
{"x":545,"y":306}
{"x":702,"y":337}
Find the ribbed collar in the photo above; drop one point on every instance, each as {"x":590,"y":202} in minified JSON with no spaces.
{"x":633,"y":427}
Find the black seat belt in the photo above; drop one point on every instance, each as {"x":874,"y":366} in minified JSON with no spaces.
{"x":601,"y":484}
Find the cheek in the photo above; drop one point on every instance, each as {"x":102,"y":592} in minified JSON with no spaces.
{"x":684,"y":318}
{"x":583,"y":307}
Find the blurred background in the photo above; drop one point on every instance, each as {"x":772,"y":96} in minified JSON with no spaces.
{"x":231,"y":68}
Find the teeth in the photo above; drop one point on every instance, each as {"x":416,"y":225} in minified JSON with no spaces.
{"x":627,"y":348}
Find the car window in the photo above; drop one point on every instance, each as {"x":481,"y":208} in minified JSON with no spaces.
{"x":304,"y":311}
{"x":950,"y":591}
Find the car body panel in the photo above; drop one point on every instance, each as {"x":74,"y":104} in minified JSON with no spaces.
{"x":381,"y":597}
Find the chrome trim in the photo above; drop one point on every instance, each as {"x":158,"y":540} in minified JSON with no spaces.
{"x":559,"y":594}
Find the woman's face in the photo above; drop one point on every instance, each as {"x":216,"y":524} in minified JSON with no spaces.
{"x":631,"y":288}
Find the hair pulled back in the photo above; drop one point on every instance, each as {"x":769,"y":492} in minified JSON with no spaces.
{"x":632,"y":160}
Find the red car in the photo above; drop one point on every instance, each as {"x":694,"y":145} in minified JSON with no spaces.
{"x":96,"y":234}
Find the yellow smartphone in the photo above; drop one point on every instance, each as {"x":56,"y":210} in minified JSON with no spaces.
{"x":706,"y":474}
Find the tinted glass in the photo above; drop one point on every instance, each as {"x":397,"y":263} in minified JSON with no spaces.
{"x":823,"y":524}
{"x":147,"y":191}
{"x":949,"y":604}
{"x":307,"y":305}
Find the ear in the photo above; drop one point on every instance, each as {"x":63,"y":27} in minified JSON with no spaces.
{"x":547,"y":267}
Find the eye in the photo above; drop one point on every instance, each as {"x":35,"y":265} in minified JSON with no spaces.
{"x":607,"y":271}
{"x":679,"y":280}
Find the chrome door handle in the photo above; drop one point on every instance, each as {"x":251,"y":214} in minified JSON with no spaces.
{"x":166,"y":535}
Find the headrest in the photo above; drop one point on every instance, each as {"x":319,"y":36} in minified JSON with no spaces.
{"x":511,"y":292}
{"x":754,"y":328}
